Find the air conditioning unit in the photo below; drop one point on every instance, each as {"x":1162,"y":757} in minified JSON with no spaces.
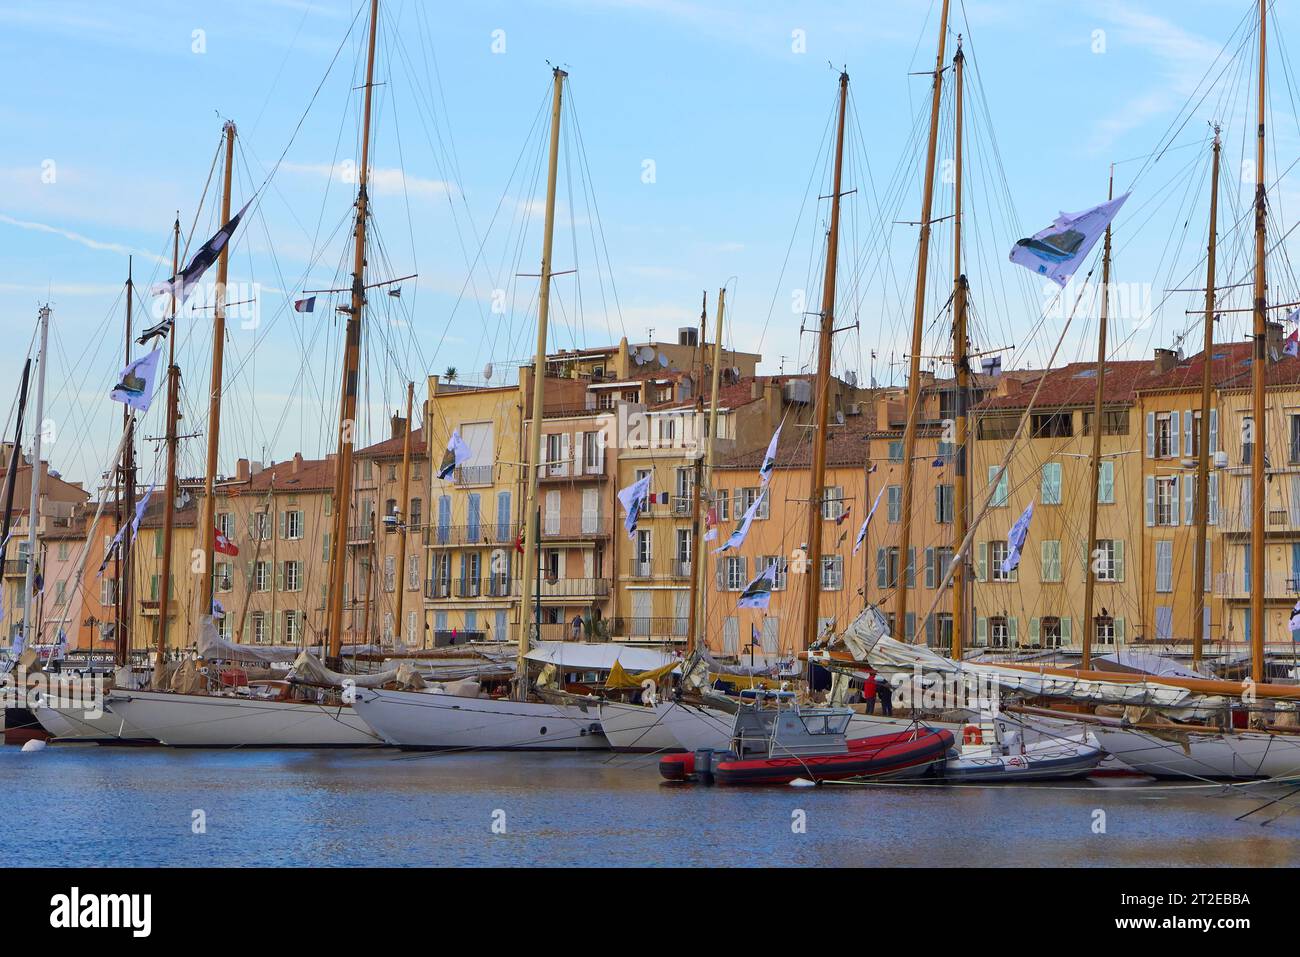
{"x":854,"y":408}
{"x":798,"y":391}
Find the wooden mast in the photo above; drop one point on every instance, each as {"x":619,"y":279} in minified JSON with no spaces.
{"x":961,"y":372}
{"x":351,"y":363}
{"x":1094,"y":465}
{"x":209,"y":529}
{"x":532,"y":541}
{"x":126,"y":509}
{"x":817,"y":478}
{"x":169,"y":488}
{"x":697,"y":488}
{"x":1202,"y":501}
{"x":697,"y":555}
{"x":1258,"y":369}
{"x":34,"y":500}
{"x":403,"y":528}
{"x":918,"y":323}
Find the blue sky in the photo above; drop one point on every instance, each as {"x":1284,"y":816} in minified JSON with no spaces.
{"x":115,"y":100}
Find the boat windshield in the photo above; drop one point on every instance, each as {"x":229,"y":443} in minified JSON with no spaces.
{"x":825,"y":721}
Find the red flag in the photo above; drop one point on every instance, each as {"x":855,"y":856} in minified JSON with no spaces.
{"x":223,"y":544}
{"x":519,"y":543}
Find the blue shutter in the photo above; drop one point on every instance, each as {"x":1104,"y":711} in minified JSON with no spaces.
{"x":444,"y":518}
{"x":473,"y":520}
{"x":503,"y":516}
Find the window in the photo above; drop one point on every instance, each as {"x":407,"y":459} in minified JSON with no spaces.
{"x":1164,"y":566}
{"x":224,"y":523}
{"x":998,"y":551}
{"x":1104,"y":631}
{"x":667,"y":429}
{"x":1106,"y":483}
{"x":261,"y":576}
{"x":293,"y":576}
{"x":555,"y":464}
{"x":1166,"y":500}
{"x":107,"y":591}
{"x":999,"y":633}
{"x":261,"y":526}
{"x":1050,"y":486}
{"x":734,"y":574}
{"x":292,"y":623}
{"x":782,"y":570}
{"x":722,"y":503}
{"x":1247,"y":440}
{"x":894,"y":503}
{"x":412,"y":572}
{"x":998,"y":427}
{"x":1166,"y":431}
{"x":1164,"y":622}
{"x":1295,"y":439}
{"x":259,"y":627}
{"x":591,"y":457}
{"x":643,"y":551}
{"x":1000,"y":492}
{"x":605,"y":399}
{"x":367,"y":469}
{"x":390,"y":573}
{"x":1052,"y":424}
{"x":832,"y":503}
{"x":685,"y":490}
{"x":1051,"y":563}
{"x":222,"y":574}
{"x":1049,"y":633}
{"x":1112,"y":423}
{"x":63,"y":551}
{"x":392,"y":473}
{"x":937,"y":561}
{"x":417,"y":514}
{"x":943,"y":503}
{"x":390,"y":508}
{"x":684,"y":542}
{"x":747,"y":498}
{"x":832,"y":572}
{"x":896,"y":450}
{"x":293,"y":524}
{"x":1108,"y":562}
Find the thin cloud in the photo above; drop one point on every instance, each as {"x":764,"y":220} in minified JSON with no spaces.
{"x":87,"y":241}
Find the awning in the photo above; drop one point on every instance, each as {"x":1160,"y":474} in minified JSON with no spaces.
{"x":584,"y":656}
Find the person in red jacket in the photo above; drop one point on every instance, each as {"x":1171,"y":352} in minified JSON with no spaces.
{"x":869,"y":692}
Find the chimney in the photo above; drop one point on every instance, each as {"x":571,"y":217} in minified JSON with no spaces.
{"x":399,"y":425}
{"x":1166,"y":359}
{"x":1008,"y":385}
{"x":242,"y":472}
{"x":1274,"y":339}
{"x":297,"y":463}
{"x":756,"y":388}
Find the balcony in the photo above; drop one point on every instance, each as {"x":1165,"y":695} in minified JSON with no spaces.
{"x":654,"y":569}
{"x":472,"y":476}
{"x":642,"y":629}
{"x":574,"y":527}
{"x":1278,"y":585}
{"x":585,"y":473}
{"x":483,"y":533}
{"x":361,"y":534}
{"x":15,"y":566}
{"x":437,"y":589}
{"x":570,"y":587}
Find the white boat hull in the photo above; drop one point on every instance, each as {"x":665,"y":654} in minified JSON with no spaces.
{"x":1238,"y":754}
{"x":431,"y":720}
{"x":75,"y":725}
{"x":216,"y":721}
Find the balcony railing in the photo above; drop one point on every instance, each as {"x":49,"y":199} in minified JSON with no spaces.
{"x":361,"y":534}
{"x":16,"y":566}
{"x":1276,"y":585}
{"x":644,"y":628}
{"x":472,"y":475}
{"x":433,"y":588}
{"x":574,"y":526}
{"x":484,"y":533}
{"x":573,"y":473}
{"x":570,"y":587}
{"x":498,"y":586}
{"x":677,"y":568}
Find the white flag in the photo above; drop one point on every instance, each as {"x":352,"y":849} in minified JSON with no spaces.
{"x":862,"y":532}
{"x":737,"y":538}
{"x":457,"y":454}
{"x":769,"y":460}
{"x":1016,"y":540}
{"x":1057,"y":251}
{"x":135,"y":383}
{"x":634,"y":499}
{"x":758,"y":593}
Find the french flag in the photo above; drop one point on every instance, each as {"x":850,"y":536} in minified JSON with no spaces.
{"x":305,"y":305}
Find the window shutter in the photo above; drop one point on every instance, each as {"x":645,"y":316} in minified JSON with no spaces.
{"x":1174,"y":430}
{"x":1013,"y":630}
{"x":981,"y":631}
{"x":882,"y":569}
{"x":600,"y":452}
{"x":929,"y":568}
{"x":1189,"y":499}
{"x":981,"y":561}
{"x":1151,"y":435}
{"x":1209,"y":564}
{"x":1189,"y":424}
{"x":279,"y":576}
{"x":1213,"y":515}
{"x":283,"y":520}
{"x":562,"y":468}
{"x":1035,"y":630}
{"x":1173,"y":504}
{"x":1119,"y":630}
{"x":1119,"y":559}
{"x":910,"y":626}
{"x":1151,"y":501}
{"x":929,"y":629}
{"x":1065,"y":631}
{"x":717,"y":572}
{"x":911,"y":568}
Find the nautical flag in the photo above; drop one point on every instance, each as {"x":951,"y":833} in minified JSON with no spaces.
{"x":116,"y":543}
{"x":305,"y":305}
{"x":737,"y":538}
{"x":844,"y":515}
{"x":160,"y":330}
{"x":1016,"y":540}
{"x":135,"y":383}
{"x":1057,"y":251}
{"x":183,"y":283}
{"x":711,"y":525}
{"x":769,"y":459}
{"x":1292,"y":345}
{"x":218,"y":610}
{"x":457,"y":453}
{"x":634,"y":499}
{"x":222,"y":543}
{"x":862,"y":532}
{"x":758,"y":592}
{"x":396,"y":293}
{"x":519,"y":542}
{"x":139,"y":511}
{"x":38,"y":581}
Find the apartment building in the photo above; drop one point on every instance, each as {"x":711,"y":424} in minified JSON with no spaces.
{"x":181,"y":606}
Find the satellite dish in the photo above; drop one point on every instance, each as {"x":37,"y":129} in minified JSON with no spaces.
{"x":645,"y":354}
{"x":663,"y":361}
{"x":839,"y":417}
{"x":636,"y":357}
{"x":851,"y":378}
{"x":487,"y":372}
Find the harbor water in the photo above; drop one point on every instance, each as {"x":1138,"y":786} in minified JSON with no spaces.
{"x":92,"y":806}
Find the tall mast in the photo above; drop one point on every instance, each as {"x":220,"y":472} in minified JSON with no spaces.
{"x":697,"y":554}
{"x":961,"y":371}
{"x":15,"y":456}
{"x":169,"y":488}
{"x":531,"y":515}
{"x":817,"y":478}
{"x":209,"y":529}
{"x":403,"y":529}
{"x":918,"y":322}
{"x":124,"y":603}
{"x":1257,"y":371}
{"x":1094,"y":465}
{"x":34,"y":503}
{"x":693,"y":626}
{"x":1202,"y":500}
{"x":351,"y":363}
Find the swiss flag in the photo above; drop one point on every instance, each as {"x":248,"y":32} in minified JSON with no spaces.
{"x":224,"y":544}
